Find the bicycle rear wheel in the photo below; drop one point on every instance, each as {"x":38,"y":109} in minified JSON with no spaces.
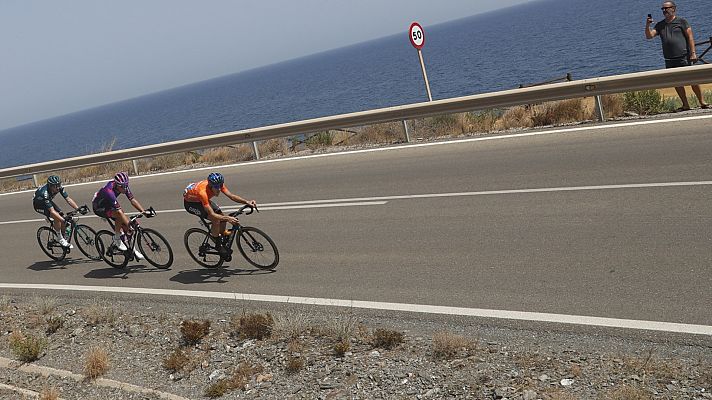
{"x":201,"y":248}
{"x":155,"y":248}
{"x":85,"y":238}
{"x":109,"y":253}
{"x":49,"y":245}
{"x":257,"y":248}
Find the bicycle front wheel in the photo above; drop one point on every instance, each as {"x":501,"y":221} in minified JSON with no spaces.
{"x":155,"y":248}
{"x":201,"y":249}
{"x":85,"y":238}
{"x":50,"y":245}
{"x":109,"y":253}
{"x":257,"y":248}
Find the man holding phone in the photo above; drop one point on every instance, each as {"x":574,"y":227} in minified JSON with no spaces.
{"x":678,"y":47}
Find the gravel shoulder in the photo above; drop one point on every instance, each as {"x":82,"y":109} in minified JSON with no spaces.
{"x":327,"y":353}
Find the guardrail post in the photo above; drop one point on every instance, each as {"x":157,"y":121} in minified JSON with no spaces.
{"x":407,"y":135}
{"x":34,"y":180}
{"x":599,"y":109}
{"x":255,"y":150}
{"x":135,"y":166}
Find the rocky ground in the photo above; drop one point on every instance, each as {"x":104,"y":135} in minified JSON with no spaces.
{"x":319,"y":353}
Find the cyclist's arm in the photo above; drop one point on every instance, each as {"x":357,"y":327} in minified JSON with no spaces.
{"x":238,"y":199}
{"x":72,"y":203}
{"x":137,"y":205}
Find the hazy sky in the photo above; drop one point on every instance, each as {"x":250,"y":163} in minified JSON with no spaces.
{"x":57,"y":57}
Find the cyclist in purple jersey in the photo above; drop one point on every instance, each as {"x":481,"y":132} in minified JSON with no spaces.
{"x":105,"y":205}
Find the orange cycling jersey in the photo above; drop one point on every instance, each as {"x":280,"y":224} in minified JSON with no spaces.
{"x":198,"y":192}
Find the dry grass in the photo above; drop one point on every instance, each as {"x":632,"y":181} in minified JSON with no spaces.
{"x":26,"y":348}
{"x":295,"y":360}
{"x":253,"y":325}
{"x":96,"y":363}
{"x":194,"y":331}
{"x":99,"y":313}
{"x":446,"y":345}
{"x":176,"y":361}
{"x":613,"y":105}
{"x":625,"y":392}
{"x":558,"y":112}
{"x":292,"y":324}
{"x":53,"y":324}
{"x":239,"y":379}
{"x":649,"y":365}
{"x":49,"y":393}
{"x":386,"y":338}
{"x":516,"y":117}
{"x":45,"y":304}
{"x":342,"y":346}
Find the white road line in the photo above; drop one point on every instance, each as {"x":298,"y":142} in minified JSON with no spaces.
{"x":265,"y":208}
{"x":368,"y":201}
{"x":405,"y":146}
{"x":374,"y":305}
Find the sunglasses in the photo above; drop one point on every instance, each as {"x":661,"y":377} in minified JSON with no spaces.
{"x":666,"y":8}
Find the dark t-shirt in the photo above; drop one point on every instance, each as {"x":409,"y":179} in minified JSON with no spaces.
{"x":673,"y":37}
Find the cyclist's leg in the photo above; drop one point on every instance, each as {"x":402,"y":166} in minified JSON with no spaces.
{"x":196,"y":208}
{"x":58,"y":221}
{"x":121,"y":219}
{"x":218,"y":227}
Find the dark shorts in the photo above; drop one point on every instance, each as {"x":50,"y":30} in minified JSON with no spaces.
{"x":196,"y":208}
{"x":42,"y":208}
{"x":677,"y":62}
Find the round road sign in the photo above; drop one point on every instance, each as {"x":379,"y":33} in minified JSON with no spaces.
{"x":417,"y":35}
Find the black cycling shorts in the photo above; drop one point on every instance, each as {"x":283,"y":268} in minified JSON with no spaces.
{"x":42,"y":208}
{"x":677,"y":62}
{"x":196,"y":208}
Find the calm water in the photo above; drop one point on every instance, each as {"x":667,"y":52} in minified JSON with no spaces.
{"x":495,"y":51}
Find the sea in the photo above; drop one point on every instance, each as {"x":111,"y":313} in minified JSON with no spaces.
{"x":499,"y":50}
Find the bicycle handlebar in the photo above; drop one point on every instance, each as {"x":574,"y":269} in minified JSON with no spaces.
{"x":149,"y":213}
{"x":242,"y":209}
{"x":81,"y":210}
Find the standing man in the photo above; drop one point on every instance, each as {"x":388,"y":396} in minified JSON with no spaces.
{"x":678,"y":47}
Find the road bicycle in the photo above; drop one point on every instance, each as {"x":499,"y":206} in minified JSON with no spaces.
{"x":151,"y":244}
{"x":83,"y":235}
{"x":257,"y":248}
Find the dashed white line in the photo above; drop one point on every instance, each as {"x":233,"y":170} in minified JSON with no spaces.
{"x":380,"y":200}
{"x":375,"y":305}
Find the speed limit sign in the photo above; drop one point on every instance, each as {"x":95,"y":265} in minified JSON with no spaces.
{"x":417,"y":35}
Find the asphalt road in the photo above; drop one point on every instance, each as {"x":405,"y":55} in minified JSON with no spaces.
{"x":625,"y":252}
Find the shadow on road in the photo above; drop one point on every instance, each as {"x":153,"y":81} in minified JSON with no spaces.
{"x":111,"y":272}
{"x":217,"y":275}
{"x":52,"y":265}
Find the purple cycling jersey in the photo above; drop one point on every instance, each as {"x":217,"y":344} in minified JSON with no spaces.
{"x":105,"y":198}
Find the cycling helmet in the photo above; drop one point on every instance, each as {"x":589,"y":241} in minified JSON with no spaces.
{"x":122,"y":179}
{"x":54,"y":180}
{"x":216,"y":179}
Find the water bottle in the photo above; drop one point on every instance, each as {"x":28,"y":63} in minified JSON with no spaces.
{"x":68,"y":230}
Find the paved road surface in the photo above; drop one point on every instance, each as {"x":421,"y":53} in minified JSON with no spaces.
{"x":625,"y":252}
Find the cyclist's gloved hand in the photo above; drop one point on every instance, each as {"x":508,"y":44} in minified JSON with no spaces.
{"x":83,"y":210}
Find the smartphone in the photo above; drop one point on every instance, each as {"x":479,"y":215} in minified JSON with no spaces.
{"x":650,"y":16}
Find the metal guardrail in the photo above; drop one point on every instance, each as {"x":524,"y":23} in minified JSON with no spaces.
{"x":559,"y":91}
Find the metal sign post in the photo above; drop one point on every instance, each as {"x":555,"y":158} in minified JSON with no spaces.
{"x":417,"y":39}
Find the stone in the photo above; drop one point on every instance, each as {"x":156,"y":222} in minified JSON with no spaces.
{"x":567,"y":382}
{"x":529,"y":395}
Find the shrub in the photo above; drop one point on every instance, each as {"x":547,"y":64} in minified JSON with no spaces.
{"x":448,"y":345}
{"x":613,"y":105}
{"x":342,"y":346}
{"x":175,"y":361}
{"x":239,"y":379}
{"x":254,"y":325}
{"x":558,"y":112}
{"x":386,"y":338}
{"x":96,"y":363}
{"x":644,"y":102}
{"x":49,"y":393}
{"x":26,"y":348}
{"x":53,"y":324}
{"x":515,"y":117}
{"x":194,"y":331}
{"x":319,"y":139}
{"x":483,"y":121}
{"x":99,"y":314}
{"x":45,"y":304}
{"x":294,"y":364}
{"x":625,"y":392}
